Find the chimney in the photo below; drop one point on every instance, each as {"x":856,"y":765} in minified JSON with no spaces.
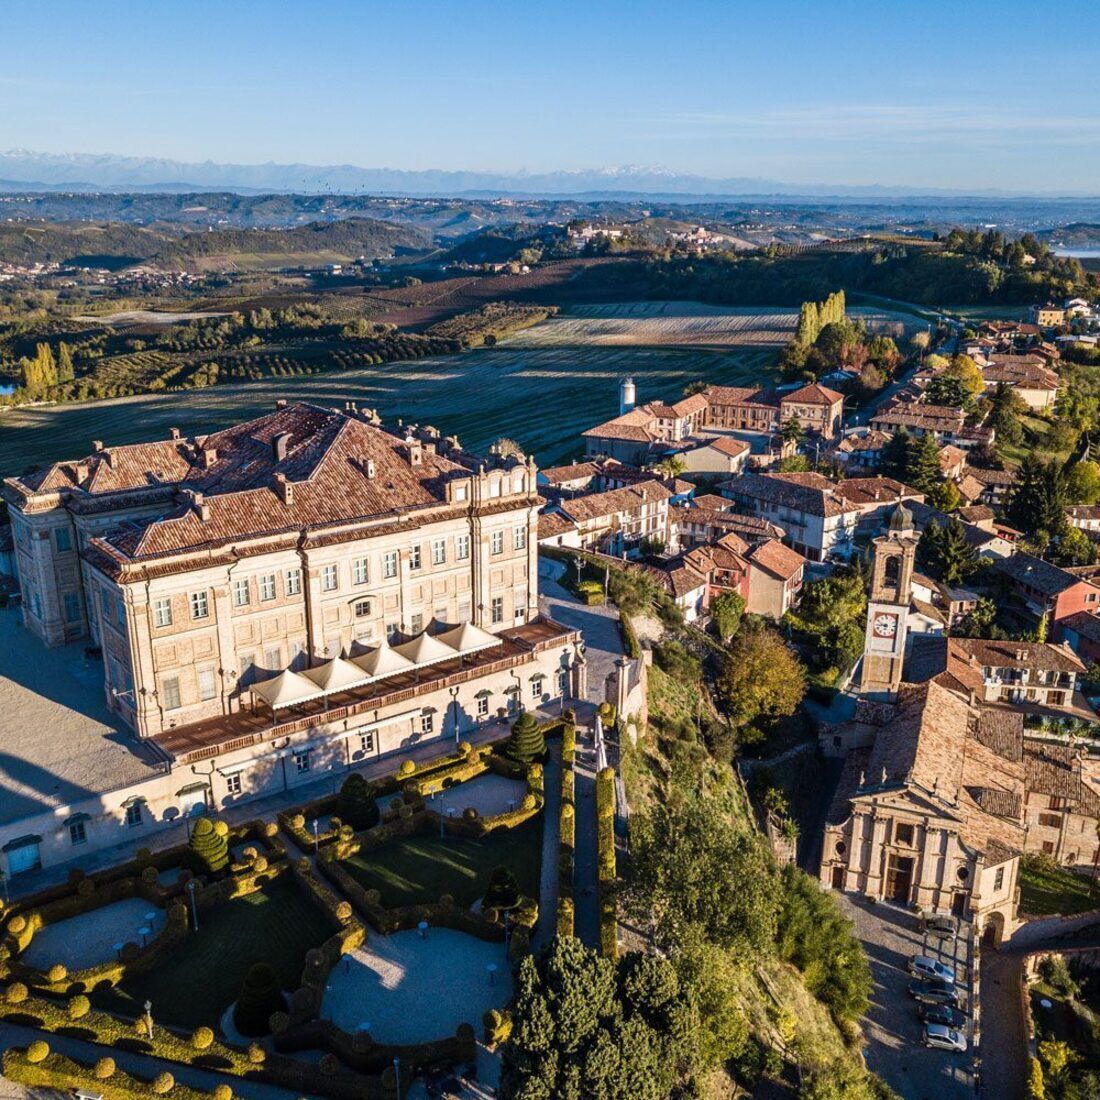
{"x":284,"y":488}
{"x":1020,"y":654}
{"x":173,"y":433}
{"x":201,"y":508}
{"x":97,"y":445}
{"x":414,"y":450}
{"x":280,"y":403}
{"x":209,"y":457}
{"x":370,"y":468}
{"x":279,"y":446}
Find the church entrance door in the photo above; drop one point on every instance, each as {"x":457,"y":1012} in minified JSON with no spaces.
{"x":899,"y":879}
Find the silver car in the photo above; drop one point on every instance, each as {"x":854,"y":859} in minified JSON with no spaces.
{"x":924,"y":966}
{"x":944,"y":1038}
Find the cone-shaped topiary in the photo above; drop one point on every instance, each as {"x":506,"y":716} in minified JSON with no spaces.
{"x":209,"y":848}
{"x":503,"y":890}
{"x":356,"y":803}
{"x":260,"y":998}
{"x":526,"y":742}
{"x":38,"y":1051}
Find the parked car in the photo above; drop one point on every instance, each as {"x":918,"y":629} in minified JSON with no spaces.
{"x":924,"y":966}
{"x":934,"y":992}
{"x":943,"y":1038}
{"x":942,"y":925}
{"x":941,"y":1014}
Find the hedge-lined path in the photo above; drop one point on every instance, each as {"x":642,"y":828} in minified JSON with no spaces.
{"x":12,"y":1035}
{"x":168,"y":837}
{"x":586,"y":919}
{"x":551,"y":835}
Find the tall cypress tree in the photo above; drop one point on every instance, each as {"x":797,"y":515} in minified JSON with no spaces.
{"x":922,"y":464}
{"x":65,"y":372}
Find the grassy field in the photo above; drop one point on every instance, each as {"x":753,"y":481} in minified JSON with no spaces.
{"x":1046,"y":888}
{"x":419,"y":869}
{"x":203,"y":976}
{"x":542,"y":396}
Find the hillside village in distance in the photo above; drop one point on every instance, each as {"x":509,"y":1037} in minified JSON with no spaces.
{"x":420,"y":722}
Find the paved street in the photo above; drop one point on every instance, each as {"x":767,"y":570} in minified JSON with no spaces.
{"x":893,"y":1030}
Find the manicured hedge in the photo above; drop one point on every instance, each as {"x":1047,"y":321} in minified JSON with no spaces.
{"x":566,"y":832}
{"x":605,"y":847}
{"x":630,"y":638}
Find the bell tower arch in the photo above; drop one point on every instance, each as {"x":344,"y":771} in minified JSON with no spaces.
{"x":888,"y":607}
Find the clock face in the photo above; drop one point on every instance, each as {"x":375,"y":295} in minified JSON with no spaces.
{"x":884,"y":625}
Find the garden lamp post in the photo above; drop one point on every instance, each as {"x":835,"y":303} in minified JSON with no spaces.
{"x":149,"y":1017}
{"x":397,"y":1075}
{"x":316,"y":839}
{"x":194,"y":907}
{"x":440,"y":815}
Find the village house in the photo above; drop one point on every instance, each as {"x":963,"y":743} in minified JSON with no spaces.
{"x":1032,"y":381}
{"x":277,"y":601}
{"x":1045,"y":590}
{"x":981,"y":486}
{"x":1081,"y":632}
{"x":1048,"y":315}
{"x":618,"y":520}
{"x":1085,"y":516}
{"x":860,"y":451}
{"x":945,"y":424}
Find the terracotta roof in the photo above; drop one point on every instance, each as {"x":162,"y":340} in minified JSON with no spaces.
{"x":814,"y":394}
{"x":872,"y":440}
{"x":929,"y":611}
{"x":875,"y":490}
{"x":1002,"y":731}
{"x":553,"y":524}
{"x":628,"y":499}
{"x":1083,"y":624}
{"x":1036,"y":656}
{"x":712,"y":501}
{"x":751,"y":528}
{"x":1084,"y":511}
{"x":634,"y":426}
{"x":1054,"y":770}
{"x":575,"y":471}
{"x":976,"y":513}
{"x":950,"y":455}
{"x":993,"y":478}
{"x":726,"y":445}
{"x":740,"y":395}
{"x":779,"y":560}
{"x":1050,"y":580}
{"x":804,"y":492}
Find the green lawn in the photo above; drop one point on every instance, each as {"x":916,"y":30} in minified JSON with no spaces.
{"x":1046,"y":888}
{"x":203,"y":976}
{"x":417,"y":870}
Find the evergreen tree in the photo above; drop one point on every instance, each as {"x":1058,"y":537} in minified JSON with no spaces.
{"x":526,"y":743}
{"x":944,"y":552}
{"x":259,"y":999}
{"x":65,"y":372}
{"x":46,"y":365}
{"x":355,"y":804}
{"x":502,"y":891}
{"x":1036,"y":503}
{"x":808,"y":324}
{"x":895,"y":456}
{"x":209,"y":847}
{"x":922,"y":464}
{"x":792,"y":431}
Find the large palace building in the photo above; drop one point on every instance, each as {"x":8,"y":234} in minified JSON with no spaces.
{"x":295,"y":594}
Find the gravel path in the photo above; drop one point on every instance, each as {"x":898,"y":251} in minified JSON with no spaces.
{"x":413,"y":990}
{"x":89,"y":939}
{"x":488,"y":793}
{"x":551,"y":830}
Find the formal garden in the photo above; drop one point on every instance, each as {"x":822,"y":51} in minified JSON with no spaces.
{"x":384,"y":922}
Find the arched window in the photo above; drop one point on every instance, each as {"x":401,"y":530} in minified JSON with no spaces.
{"x":892,"y":573}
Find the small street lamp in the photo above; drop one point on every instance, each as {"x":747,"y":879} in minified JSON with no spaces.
{"x":149,"y":1017}
{"x":397,"y":1074}
{"x":194,"y":907}
{"x":316,"y":838}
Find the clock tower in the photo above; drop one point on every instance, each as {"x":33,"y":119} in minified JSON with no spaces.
{"x":888,"y":607}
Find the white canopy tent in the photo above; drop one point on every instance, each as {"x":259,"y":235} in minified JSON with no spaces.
{"x":467,"y":638}
{"x":336,"y":675}
{"x":424,"y":650}
{"x":286,"y":690}
{"x":382,"y":661}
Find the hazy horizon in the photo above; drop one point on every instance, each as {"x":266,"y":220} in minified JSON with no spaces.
{"x":967,"y":99}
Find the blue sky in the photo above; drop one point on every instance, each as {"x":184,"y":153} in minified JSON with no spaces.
{"x":967,"y":93}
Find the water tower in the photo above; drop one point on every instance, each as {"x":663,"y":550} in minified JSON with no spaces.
{"x":626,"y":395}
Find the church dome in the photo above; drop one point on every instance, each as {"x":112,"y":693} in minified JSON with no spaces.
{"x":901,"y":520}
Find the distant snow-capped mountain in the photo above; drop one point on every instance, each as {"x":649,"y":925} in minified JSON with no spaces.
{"x":26,"y":169}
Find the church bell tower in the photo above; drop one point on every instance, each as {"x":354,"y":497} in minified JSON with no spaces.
{"x":888,"y":608}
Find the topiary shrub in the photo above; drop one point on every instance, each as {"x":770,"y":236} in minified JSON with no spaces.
{"x":163,"y":1083}
{"x":149,"y":876}
{"x":260,"y":997}
{"x":256,"y":1053}
{"x":406,"y":769}
{"x":56,"y":973}
{"x":209,"y":848}
{"x":470,"y":813}
{"x":343,"y":911}
{"x":526,"y":743}
{"x":270,"y":830}
{"x":17,"y":924}
{"x":104,"y":1068}
{"x":298,"y":821}
{"x":502,"y":891}
{"x":38,"y":1051}
{"x":530,"y":801}
{"x":16,"y":993}
{"x":465,"y":748}
{"x":259,"y":864}
{"x":356,"y":803}
{"x":303,"y":864}
{"x":249,"y":854}
{"x":221,"y":828}
{"x":79,"y":1006}
{"x":201,"y":1038}
{"x":222,"y":1092}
